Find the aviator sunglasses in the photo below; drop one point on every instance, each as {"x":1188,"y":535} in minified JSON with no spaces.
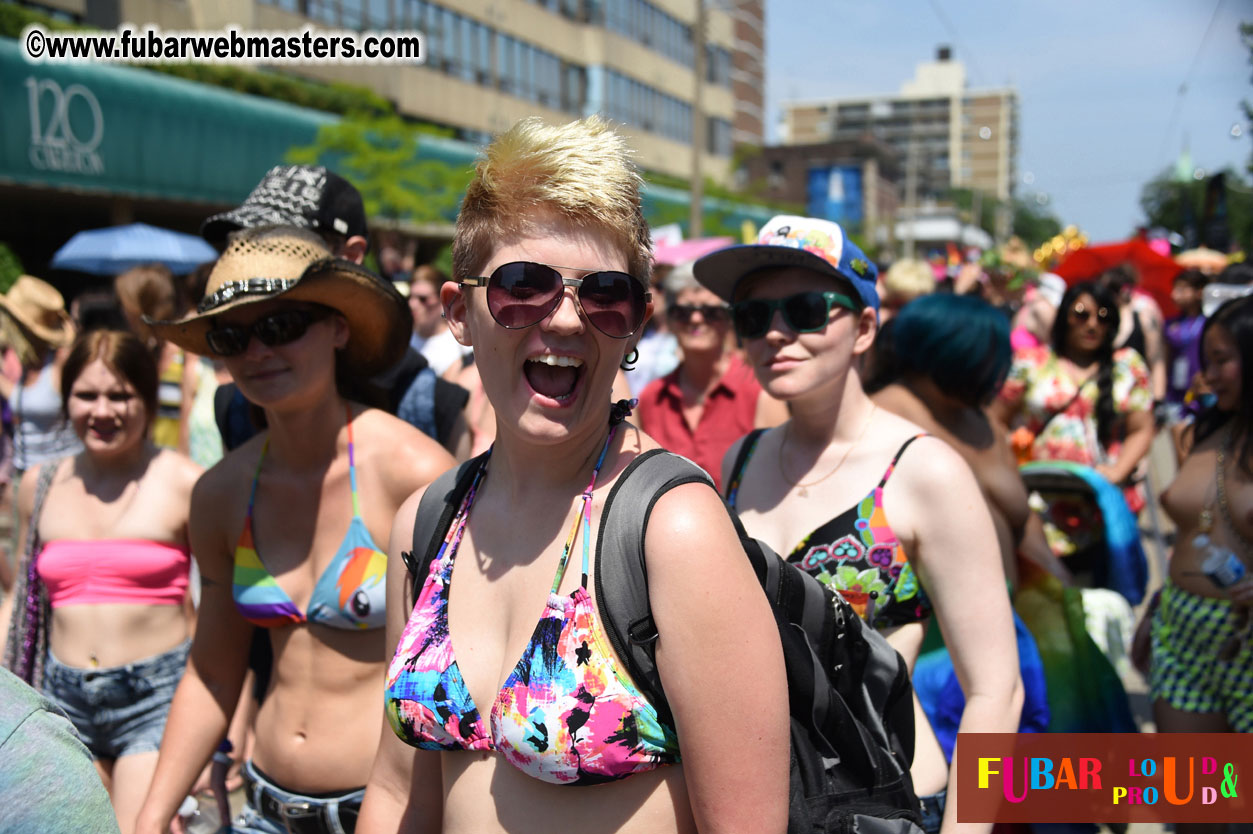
{"x":278,"y":328}
{"x":805,"y":312}
{"x":524,"y":293}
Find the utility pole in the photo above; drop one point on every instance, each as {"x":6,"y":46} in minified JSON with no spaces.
{"x":696,"y":219}
{"x":911,"y":189}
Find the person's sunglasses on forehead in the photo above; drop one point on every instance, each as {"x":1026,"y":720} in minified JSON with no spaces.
{"x":710,"y":313}
{"x":806,"y":312}
{"x":278,"y":328}
{"x":523,"y":293}
{"x":1082,"y":312}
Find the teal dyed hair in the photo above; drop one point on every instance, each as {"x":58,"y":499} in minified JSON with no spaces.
{"x":959,"y":342}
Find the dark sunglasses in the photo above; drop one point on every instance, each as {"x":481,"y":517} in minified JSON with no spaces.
{"x":278,"y":328}
{"x":1081,"y":312}
{"x":524,"y":293}
{"x":712,"y":313}
{"x":805,"y":312}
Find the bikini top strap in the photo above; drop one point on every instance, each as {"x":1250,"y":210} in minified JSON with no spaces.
{"x":352,"y":465}
{"x":741,"y":463}
{"x":897,"y":457}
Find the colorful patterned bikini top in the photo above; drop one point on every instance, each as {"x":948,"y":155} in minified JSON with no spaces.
{"x":858,"y":554}
{"x":565,"y":715}
{"x":351,"y":593}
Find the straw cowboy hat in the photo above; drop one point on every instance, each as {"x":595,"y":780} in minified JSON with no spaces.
{"x":39,"y":308}
{"x":290,"y":264}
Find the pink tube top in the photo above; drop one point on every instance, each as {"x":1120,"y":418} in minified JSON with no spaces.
{"x":125,"y":571}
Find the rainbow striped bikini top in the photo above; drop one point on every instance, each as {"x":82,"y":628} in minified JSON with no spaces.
{"x":351,"y":593}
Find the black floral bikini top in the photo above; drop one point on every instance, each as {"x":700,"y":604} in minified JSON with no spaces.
{"x":856,"y":553}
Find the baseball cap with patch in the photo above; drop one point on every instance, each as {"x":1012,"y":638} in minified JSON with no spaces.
{"x":303,"y":196}
{"x":786,"y":240}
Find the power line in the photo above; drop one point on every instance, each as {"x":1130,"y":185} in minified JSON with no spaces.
{"x":1182,"y":93}
{"x":966,"y":54}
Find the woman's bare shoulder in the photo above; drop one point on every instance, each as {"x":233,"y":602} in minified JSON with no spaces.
{"x":176,"y":470}
{"x":407,"y":458}
{"x":232,"y":474}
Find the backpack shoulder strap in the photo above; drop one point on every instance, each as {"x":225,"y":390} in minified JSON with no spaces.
{"x":621,"y":572}
{"x":435,"y":511}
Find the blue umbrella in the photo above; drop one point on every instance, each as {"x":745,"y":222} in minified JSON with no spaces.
{"x":118,"y":248}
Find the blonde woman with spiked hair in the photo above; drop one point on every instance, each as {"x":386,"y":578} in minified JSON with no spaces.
{"x":551,"y":263}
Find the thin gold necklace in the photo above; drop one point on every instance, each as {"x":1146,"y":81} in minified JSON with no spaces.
{"x":803,"y":489}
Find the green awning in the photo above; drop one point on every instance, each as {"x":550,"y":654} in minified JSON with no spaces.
{"x":118,"y":130}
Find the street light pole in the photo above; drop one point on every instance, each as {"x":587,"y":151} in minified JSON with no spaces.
{"x":696,"y":219}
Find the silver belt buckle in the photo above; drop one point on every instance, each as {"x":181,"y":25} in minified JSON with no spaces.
{"x":297,"y":811}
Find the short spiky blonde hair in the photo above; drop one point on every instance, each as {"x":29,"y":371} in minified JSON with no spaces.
{"x":580,"y":171}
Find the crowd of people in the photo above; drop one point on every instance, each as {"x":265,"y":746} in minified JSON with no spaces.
{"x":220,"y":492}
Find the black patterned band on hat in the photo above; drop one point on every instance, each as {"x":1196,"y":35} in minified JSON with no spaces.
{"x":236,"y":289}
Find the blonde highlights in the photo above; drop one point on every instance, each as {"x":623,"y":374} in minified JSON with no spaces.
{"x":578,"y":172}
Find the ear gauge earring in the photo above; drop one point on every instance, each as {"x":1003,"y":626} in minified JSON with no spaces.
{"x":628,"y":361}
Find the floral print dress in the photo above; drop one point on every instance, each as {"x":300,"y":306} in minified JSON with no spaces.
{"x":1061,"y":416}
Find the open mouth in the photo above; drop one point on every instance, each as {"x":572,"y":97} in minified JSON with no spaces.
{"x":104,"y":433}
{"x":552,"y":376}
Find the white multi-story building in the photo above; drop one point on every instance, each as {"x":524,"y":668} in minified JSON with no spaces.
{"x":947,"y":135}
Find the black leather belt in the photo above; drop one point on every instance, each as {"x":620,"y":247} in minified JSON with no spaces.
{"x":301,"y":816}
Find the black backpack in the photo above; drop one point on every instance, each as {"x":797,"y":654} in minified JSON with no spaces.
{"x":850,"y":699}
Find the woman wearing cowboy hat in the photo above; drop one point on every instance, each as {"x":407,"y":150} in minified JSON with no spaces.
{"x":286,"y":530}
{"x":37,"y":329}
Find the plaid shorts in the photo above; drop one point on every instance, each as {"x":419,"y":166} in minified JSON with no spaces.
{"x":1188,"y":631}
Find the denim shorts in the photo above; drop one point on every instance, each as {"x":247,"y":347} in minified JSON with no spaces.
{"x":121,"y":710}
{"x":271,"y":809}
{"x":933,"y":810}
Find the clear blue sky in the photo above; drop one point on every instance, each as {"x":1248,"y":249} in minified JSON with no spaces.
{"x":1097,"y":81}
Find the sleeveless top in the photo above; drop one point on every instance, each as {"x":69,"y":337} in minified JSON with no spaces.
{"x":351,"y":593}
{"x":857,"y":553}
{"x":126,"y":571}
{"x":41,"y":433}
{"x":566,"y":715}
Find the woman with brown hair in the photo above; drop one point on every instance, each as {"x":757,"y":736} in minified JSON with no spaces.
{"x":100,"y":623}
{"x":149,"y":291}
{"x":285,"y":529}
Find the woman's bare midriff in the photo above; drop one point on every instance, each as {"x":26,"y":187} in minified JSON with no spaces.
{"x":115,"y":635}
{"x":1193,"y":490}
{"x":479,"y":787}
{"x":317,"y":730}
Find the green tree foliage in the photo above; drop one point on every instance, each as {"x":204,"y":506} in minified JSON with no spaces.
{"x":1031,"y":221}
{"x":964,"y":200}
{"x":1246,"y":35}
{"x":1034,"y":223}
{"x":380,"y":155}
{"x":1178,"y":206}
{"x":10,"y":268}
